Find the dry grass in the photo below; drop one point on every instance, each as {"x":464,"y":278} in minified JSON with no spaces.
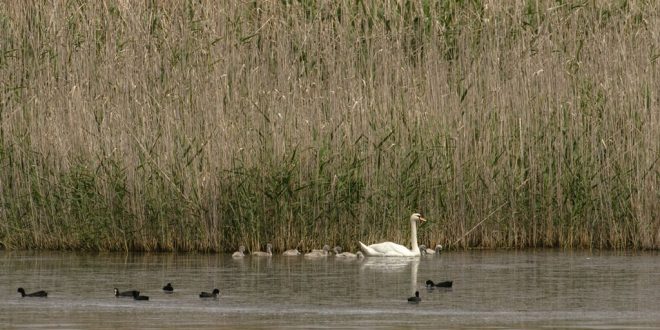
{"x":176,"y":125}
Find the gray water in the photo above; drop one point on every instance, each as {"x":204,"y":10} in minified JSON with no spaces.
{"x":509,"y":289}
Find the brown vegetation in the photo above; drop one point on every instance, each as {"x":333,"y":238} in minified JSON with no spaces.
{"x":148,"y":125}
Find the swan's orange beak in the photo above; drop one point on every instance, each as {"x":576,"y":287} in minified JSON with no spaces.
{"x":422,"y":219}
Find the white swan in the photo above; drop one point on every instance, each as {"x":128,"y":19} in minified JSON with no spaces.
{"x":389,"y":249}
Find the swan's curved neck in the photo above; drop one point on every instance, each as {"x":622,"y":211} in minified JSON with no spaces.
{"x":413,"y":236}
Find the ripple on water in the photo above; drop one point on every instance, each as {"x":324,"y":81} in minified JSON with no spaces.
{"x":520,"y":289}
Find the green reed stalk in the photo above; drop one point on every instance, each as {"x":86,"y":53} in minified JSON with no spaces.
{"x":186,"y":126}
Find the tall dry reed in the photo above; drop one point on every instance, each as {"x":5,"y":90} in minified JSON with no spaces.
{"x":202,"y":125}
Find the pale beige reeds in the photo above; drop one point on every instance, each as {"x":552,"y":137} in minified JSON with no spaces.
{"x":202,"y":126}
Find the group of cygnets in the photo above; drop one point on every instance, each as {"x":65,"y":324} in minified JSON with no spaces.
{"x":337,"y":252}
{"x":324,"y":252}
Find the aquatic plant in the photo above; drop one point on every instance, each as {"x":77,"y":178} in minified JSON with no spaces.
{"x":185,"y":126}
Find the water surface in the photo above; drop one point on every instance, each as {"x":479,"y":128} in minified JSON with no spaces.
{"x":510,"y":289}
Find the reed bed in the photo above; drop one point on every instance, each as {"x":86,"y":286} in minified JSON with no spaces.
{"x":202,"y":125}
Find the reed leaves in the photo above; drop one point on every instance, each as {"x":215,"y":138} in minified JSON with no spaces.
{"x":202,"y":126}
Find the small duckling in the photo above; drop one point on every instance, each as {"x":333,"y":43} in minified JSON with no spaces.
{"x":130,"y":293}
{"x":291,"y":253}
{"x":340,"y":254}
{"x":416,"y":299}
{"x":268,"y":253}
{"x":240,"y":253}
{"x":326,"y":247}
{"x":213,"y":294}
{"x":168,"y":288}
{"x":137,"y":296}
{"x":319,"y":253}
{"x":41,"y":293}
{"x":425,"y":251}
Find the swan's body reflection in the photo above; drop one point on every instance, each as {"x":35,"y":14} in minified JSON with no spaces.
{"x":392,"y":267}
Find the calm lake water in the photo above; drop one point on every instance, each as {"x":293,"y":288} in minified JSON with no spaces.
{"x":509,"y":289}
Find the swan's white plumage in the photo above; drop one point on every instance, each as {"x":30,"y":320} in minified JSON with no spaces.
{"x":390,"y":249}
